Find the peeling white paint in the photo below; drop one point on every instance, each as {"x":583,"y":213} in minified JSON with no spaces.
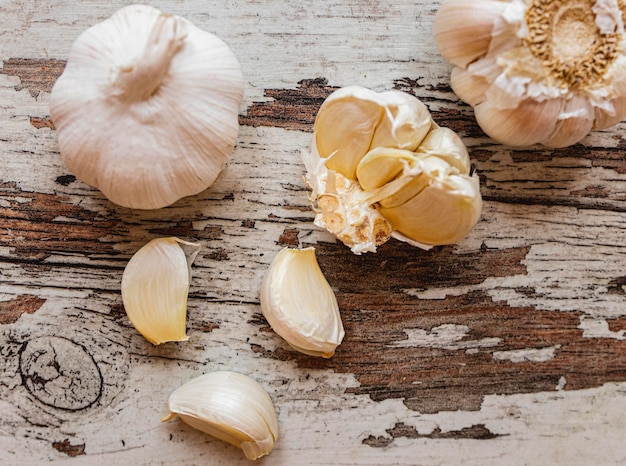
{"x":599,"y":328}
{"x":446,"y":336}
{"x":527,"y":354}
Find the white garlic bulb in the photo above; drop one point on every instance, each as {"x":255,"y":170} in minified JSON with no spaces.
{"x":155,"y":285}
{"x":147,"y":107}
{"x":229,"y":406}
{"x":380,"y":167}
{"x":537,"y":71}
{"x":300,"y":305}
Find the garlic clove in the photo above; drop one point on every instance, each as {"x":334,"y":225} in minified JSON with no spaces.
{"x":442,"y":213}
{"x":530,"y":123}
{"x":462,"y":29}
{"x":574,"y":123}
{"x":605,"y":119}
{"x":446,"y":145}
{"x":405,"y":123}
{"x":381,"y":165}
{"x":300,"y":305}
{"x":155,"y":285}
{"x":426,"y":169}
{"x":468,"y":86}
{"x":344,"y":128}
{"x":229,"y":406}
{"x":147,"y":107}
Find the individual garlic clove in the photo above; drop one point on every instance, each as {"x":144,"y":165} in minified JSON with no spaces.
{"x":443,"y":213}
{"x":229,"y":406}
{"x":155,"y":285}
{"x":300,"y":305}
{"x":530,"y":123}
{"x":381,"y":165}
{"x":468,"y":86}
{"x":574,"y":123}
{"x":344,"y":128}
{"x":405,"y":124}
{"x":147,"y":107}
{"x":463,"y":28}
{"x":445,"y":144}
{"x":426,"y":169}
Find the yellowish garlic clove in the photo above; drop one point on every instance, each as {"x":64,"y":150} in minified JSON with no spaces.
{"x":445,"y":144}
{"x":155,"y":285}
{"x":229,"y":406}
{"x":345,"y":126}
{"x":381,"y":165}
{"x":405,"y":123}
{"x":300,"y":305}
{"x":442,"y":213}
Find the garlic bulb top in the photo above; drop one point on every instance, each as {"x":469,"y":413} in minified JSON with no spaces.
{"x":537,"y":71}
{"x":381,"y":167}
{"x":147,"y":107}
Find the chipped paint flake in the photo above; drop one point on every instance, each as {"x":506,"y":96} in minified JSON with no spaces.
{"x":599,"y":328}
{"x":527,"y":355}
{"x":446,"y":336}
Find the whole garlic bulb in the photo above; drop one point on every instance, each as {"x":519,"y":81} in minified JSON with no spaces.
{"x":381,"y":167}
{"x":537,"y":71}
{"x":147,"y":107}
{"x":229,"y":406}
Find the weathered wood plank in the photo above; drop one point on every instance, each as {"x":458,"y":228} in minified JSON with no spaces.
{"x":509,"y":346}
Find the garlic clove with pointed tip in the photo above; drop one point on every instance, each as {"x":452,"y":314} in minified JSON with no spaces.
{"x":300,"y":305}
{"x":155,"y":285}
{"x":229,"y":406}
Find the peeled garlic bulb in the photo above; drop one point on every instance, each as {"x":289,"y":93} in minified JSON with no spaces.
{"x":147,"y":107}
{"x":537,"y":71}
{"x":229,"y":406}
{"x":155,"y":285}
{"x":300,"y":305}
{"x":384,"y":168}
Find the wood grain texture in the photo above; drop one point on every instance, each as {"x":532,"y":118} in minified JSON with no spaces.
{"x":508,"y":348}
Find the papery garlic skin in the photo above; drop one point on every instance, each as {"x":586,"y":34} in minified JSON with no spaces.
{"x":380,"y":167}
{"x":537,"y":71}
{"x":300,"y":305}
{"x":147,"y":107}
{"x":229,"y":406}
{"x":155,"y":286}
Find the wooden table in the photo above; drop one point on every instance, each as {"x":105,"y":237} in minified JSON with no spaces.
{"x":507,"y":348}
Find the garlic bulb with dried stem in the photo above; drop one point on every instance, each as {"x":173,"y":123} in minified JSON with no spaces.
{"x":300,"y":305}
{"x":229,"y":406}
{"x":155,"y":285}
{"x":381,"y":167}
{"x":147,"y":107}
{"x":537,"y":71}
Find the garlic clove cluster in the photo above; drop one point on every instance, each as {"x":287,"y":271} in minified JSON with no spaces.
{"x":300,"y":305}
{"x":155,"y":285}
{"x":147,"y":107}
{"x":229,"y":406}
{"x":537,"y":71}
{"x":405,"y":176}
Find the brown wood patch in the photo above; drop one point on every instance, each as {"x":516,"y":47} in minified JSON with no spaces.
{"x":12,"y":310}
{"x":429,"y":376}
{"x":36,"y":75}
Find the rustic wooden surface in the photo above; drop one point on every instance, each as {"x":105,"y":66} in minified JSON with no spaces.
{"x":508,"y":348}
